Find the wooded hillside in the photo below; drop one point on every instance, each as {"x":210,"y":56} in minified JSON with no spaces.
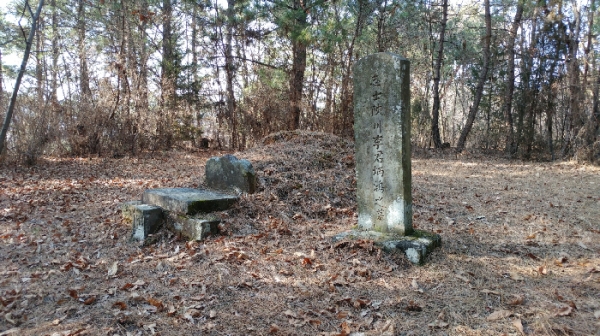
{"x":115,"y":77}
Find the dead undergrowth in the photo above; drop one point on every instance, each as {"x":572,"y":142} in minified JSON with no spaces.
{"x":519,"y":256}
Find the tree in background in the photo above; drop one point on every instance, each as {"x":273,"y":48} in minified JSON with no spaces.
{"x":119,"y":77}
{"x":13,"y":99}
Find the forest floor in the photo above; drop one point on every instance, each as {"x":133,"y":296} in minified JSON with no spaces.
{"x":520,"y":254}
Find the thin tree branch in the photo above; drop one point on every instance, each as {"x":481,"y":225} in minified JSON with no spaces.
{"x":13,"y":98}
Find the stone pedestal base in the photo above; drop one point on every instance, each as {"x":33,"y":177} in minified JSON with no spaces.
{"x":145,"y":219}
{"x":193,"y":228}
{"x":416,"y":247}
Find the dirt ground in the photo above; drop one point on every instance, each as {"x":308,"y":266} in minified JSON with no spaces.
{"x":520,"y":252}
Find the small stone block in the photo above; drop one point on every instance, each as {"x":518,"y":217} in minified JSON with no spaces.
{"x":230,"y":173}
{"x":416,"y":247}
{"x":128,"y":208}
{"x":145,"y":220}
{"x":188,"y":201}
{"x":193,"y":228}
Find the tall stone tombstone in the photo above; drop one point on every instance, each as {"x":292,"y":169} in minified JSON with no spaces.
{"x":382,"y":140}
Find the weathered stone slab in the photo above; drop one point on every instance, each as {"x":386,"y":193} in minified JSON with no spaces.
{"x":416,"y":247}
{"x":382,"y":141}
{"x":145,"y":219}
{"x":193,"y":228}
{"x":230,"y":173}
{"x":188,"y":201}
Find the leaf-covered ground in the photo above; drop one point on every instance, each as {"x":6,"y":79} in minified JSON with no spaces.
{"x":520,"y":251}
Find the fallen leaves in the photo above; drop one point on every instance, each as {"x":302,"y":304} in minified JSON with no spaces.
{"x":286,"y":272}
{"x":156,"y":303}
{"x":564,"y":311}
{"x":542,"y":270}
{"x":151,"y":328}
{"x":133,"y":286}
{"x":413,"y":306}
{"x":89,"y":300}
{"x":437,"y":324}
{"x":463,"y":278}
{"x":516,"y":276}
{"x":113,"y":269}
{"x":120,"y":305}
{"x":416,"y":286}
{"x":274,"y":328}
{"x":10,"y":332}
{"x":517,"y":300}
{"x":499,"y":314}
{"x":290,"y":313}
{"x":73,"y":293}
{"x":489,"y":291}
{"x":561,"y":261}
{"x":9,"y":318}
{"x":160,"y":284}
{"x":518,"y":325}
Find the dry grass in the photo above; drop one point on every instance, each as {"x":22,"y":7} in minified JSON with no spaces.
{"x":520,"y":248}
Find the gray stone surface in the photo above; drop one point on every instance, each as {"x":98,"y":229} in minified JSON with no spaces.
{"x":416,"y":247}
{"x":382,"y":141}
{"x":230,"y":173}
{"x":193,"y":228}
{"x":128,"y":208}
{"x":188,"y":201}
{"x":145,"y":219}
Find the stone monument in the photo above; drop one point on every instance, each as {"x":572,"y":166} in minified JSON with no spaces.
{"x":382,"y":142}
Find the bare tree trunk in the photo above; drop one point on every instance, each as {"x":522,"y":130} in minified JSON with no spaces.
{"x":54,"y":71}
{"x":194,"y":43}
{"x":595,"y":119}
{"x":550,"y":106}
{"x":435,"y":110}
{"x":381,"y":27}
{"x":329,"y":97}
{"x":143,"y":80}
{"x":168,"y":54}
{"x":84,"y":79}
{"x":588,"y":48}
{"x":586,"y":135}
{"x":1,"y":79}
{"x":39,"y":60}
{"x":167,"y":75}
{"x":13,"y":98}
{"x":298,"y":67}
{"x":229,"y":69}
{"x":297,"y":83}
{"x":483,"y":76}
{"x":510,"y":146}
{"x":346,"y":108}
{"x":128,"y":59}
{"x":526,"y":74}
{"x":573,"y":119}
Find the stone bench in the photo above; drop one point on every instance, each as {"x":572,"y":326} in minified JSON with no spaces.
{"x":187,"y":211}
